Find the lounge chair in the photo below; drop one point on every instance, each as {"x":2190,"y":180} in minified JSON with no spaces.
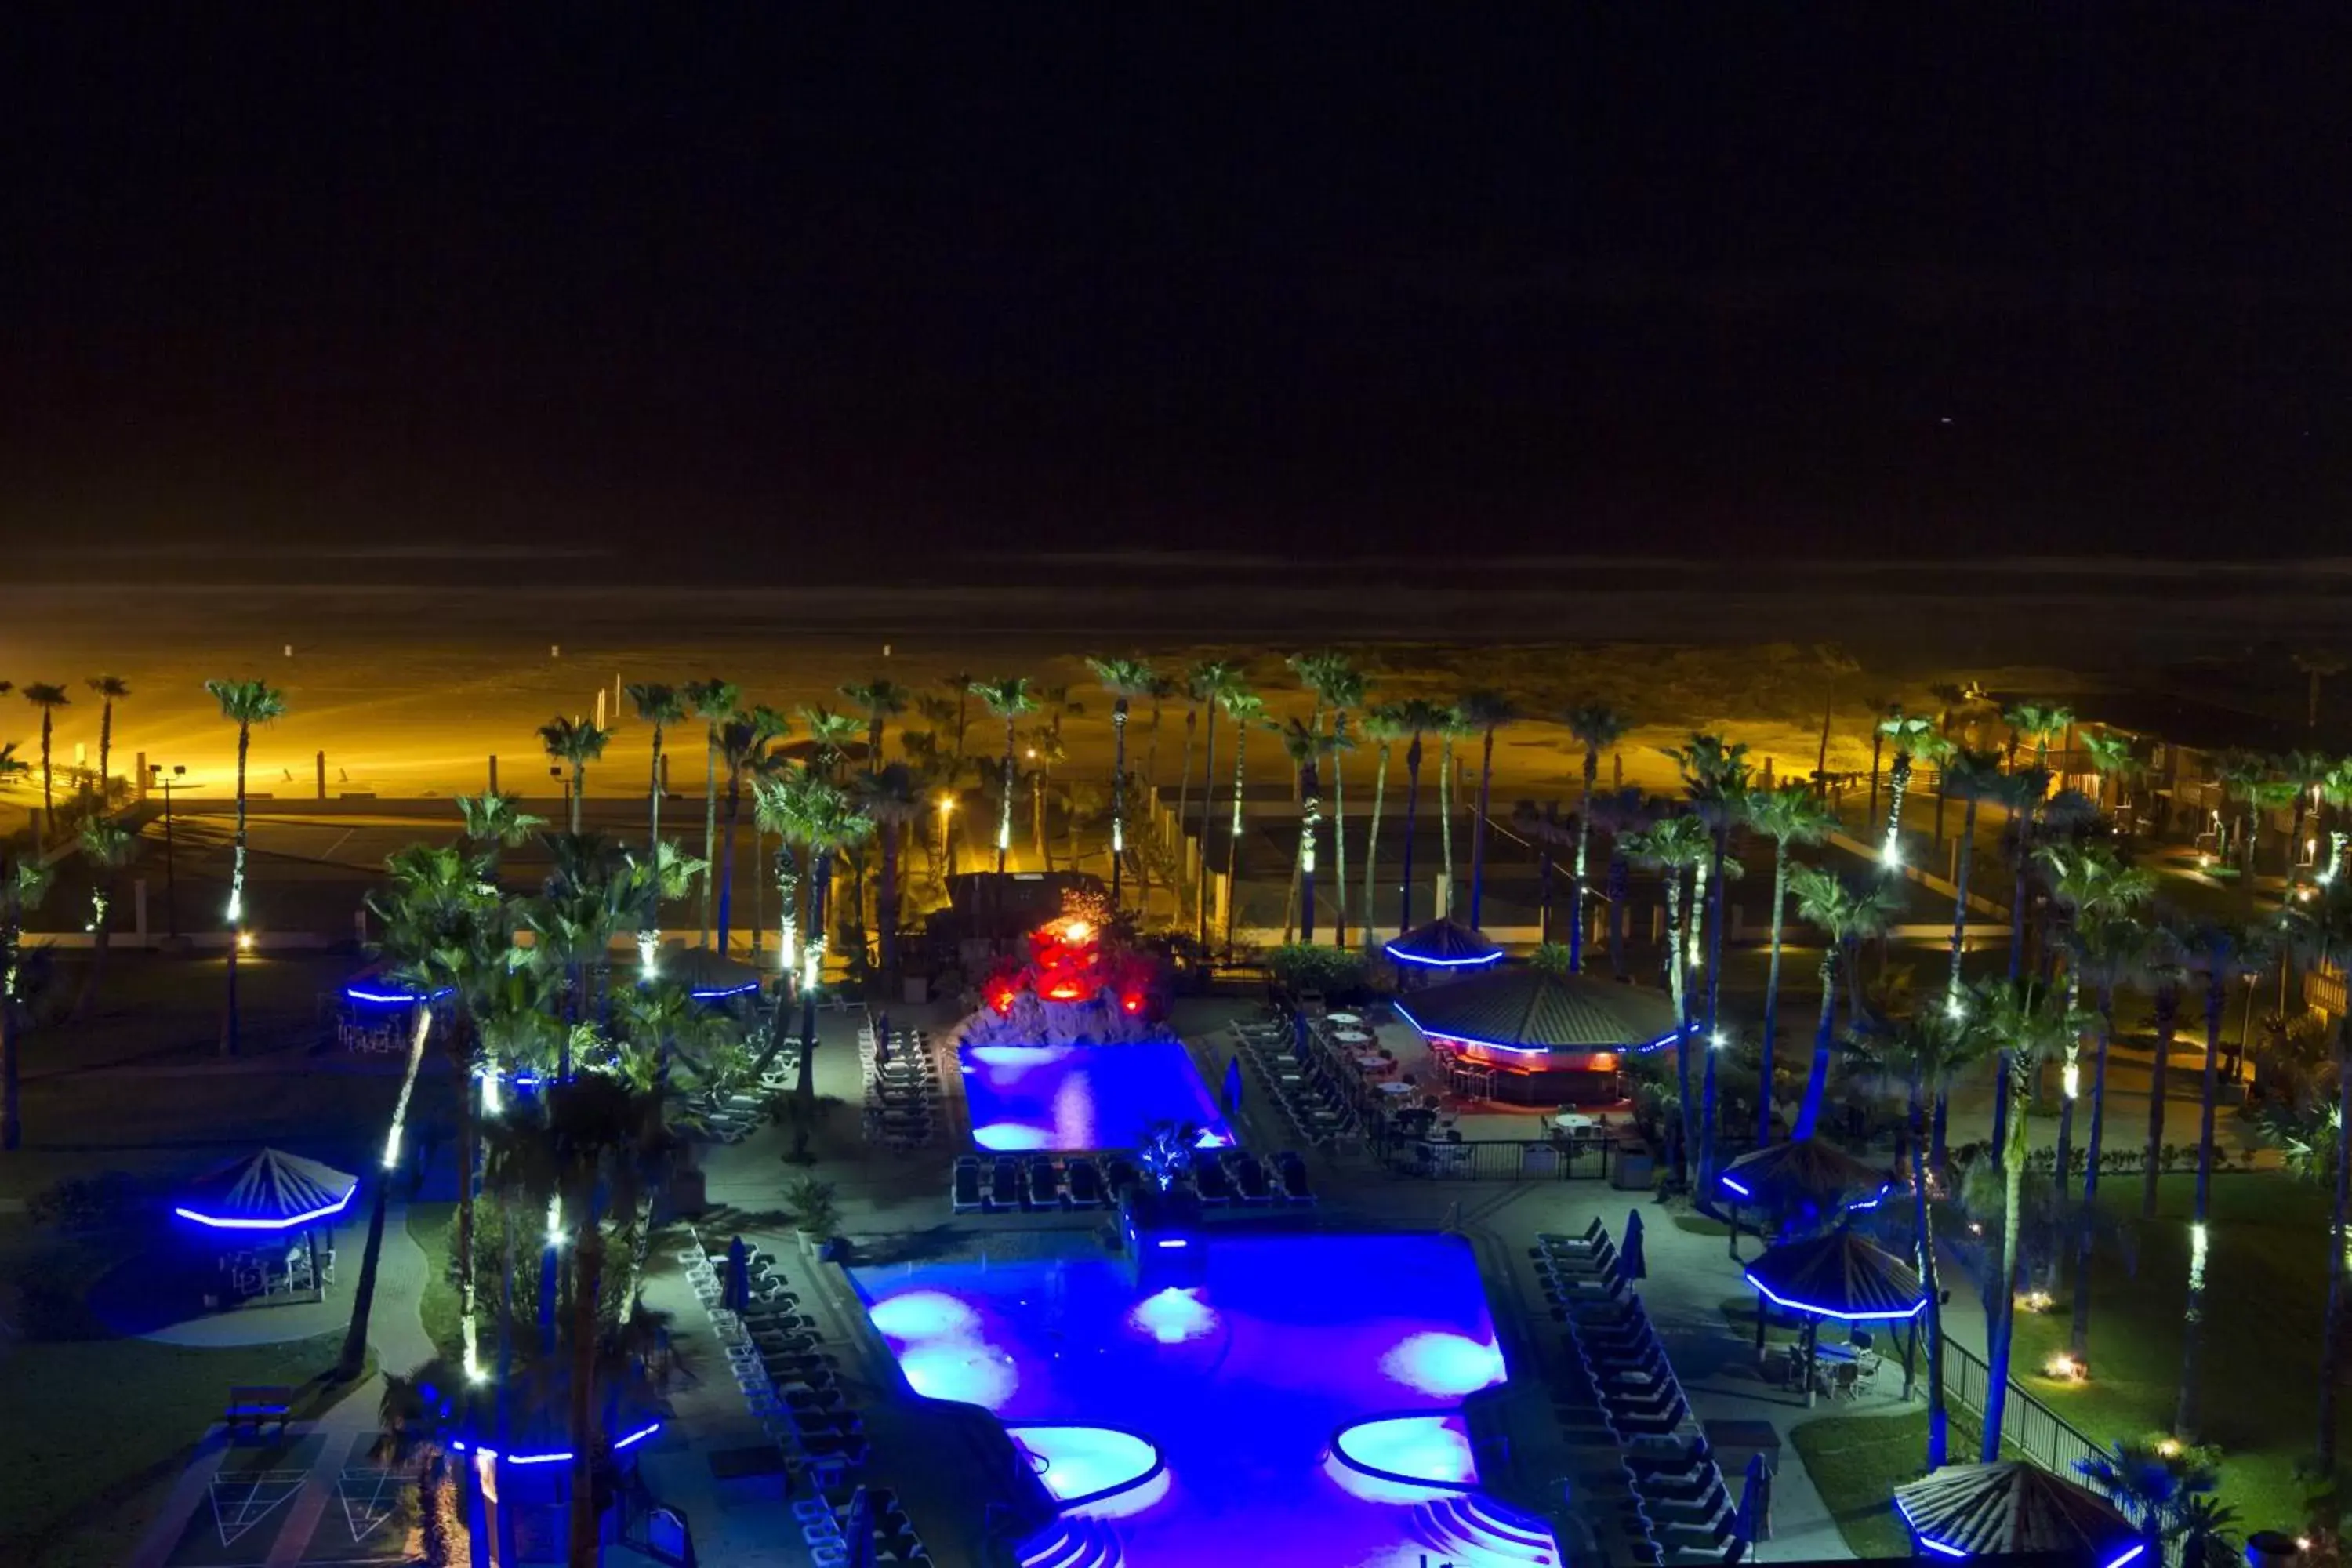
{"x":966,"y":1198}
{"x":1549,"y":1243}
{"x":1293,"y":1172}
{"x":1249,"y":1179}
{"x":1648,"y":1422}
{"x":1005,"y":1184}
{"x":1210,"y":1180}
{"x":1044,"y":1182}
{"x":1086,"y":1183}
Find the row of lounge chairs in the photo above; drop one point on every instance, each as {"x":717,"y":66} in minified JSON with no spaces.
{"x":733,"y":1117}
{"x":1678,"y":1506}
{"x":902,"y":1087}
{"x":1297,"y":1080}
{"x":778,"y":1357}
{"x":822,"y":1521}
{"x":1014,"y":1183}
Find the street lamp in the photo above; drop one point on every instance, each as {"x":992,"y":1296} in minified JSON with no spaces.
{"x":171,"y":881}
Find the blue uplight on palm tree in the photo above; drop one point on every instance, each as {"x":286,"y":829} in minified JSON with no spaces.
{"x":1166,"y":1153}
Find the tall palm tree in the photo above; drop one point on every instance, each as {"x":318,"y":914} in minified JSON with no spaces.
{"x":2027,"y":1024}
{"x":883,"y":700}
{"x":48,"y":700}
{"x":576,"y":743}
{"x":1846,"y":916}
{"x":106,"y":847}
{"x":2218,"y":955}
{"x":110,"y":690}
{"x":1904,"y":731}
{"x":1596,"y":729}
{"x":2164,"y":969}
{"x":813,"y":812}
{"x":1384,"y":727}
{"x":714,"y":702}
{"x":1124,"y":679}
{"x":1338,"y":687}
{"x":24,"y":882}
{"x":492,"y":821}
{"x":1455,"y":728}
{"x":831,"y":735}
{"x":2040,"y":722}
{"x":2323,"y":933}
{"x":1716,"y":779}
{"x":2090,"y":884}
{"x":2110,"y":751}
{"x":660,"y":706}
{"x":2109,"y":950}
{"x":1009,"y":698}
{"x":889,"y":799}
{"x":1974,"y":776}
{"x":1416,"y":717}
{"x":1483,"y":713}
{"x":1787,"y":814}
{"x":1245,"y":709}
{"x":1621,"y":814}
{"x":1929,"y":1047}
{"x":746,"y":746}
{"x":1676,"y":845}
{"x":1213,"y":684}
{"x":2307,"y":773}
{"x":244,"y":704}
{"x":965,"y":686}
{"x":1304,"y":743}
{"x":1544,"y":828}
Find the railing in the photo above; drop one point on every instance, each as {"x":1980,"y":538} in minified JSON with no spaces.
{"x":1500,"y":1158}
{"x":2032,"y":1428}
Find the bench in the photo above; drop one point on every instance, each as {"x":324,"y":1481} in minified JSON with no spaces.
{"x":258,"y":1405}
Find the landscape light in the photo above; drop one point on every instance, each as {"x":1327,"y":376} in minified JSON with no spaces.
{"x":1715,"y":1042}
{"x":555,"y":1220}
{"x":2065,"y":1368}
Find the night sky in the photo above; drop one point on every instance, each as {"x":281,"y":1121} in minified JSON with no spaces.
{"x":1638,"y":279}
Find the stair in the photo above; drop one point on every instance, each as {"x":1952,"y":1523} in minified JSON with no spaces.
{"x":1477,"y":1531}
{"x":1074,"y":1541}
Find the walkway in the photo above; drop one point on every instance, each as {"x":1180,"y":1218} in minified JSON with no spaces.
{"x":314,"y":1495}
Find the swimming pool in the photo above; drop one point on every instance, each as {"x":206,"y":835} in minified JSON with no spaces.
{"x":1198,"y":1425}
{"x":1066,"y":1099}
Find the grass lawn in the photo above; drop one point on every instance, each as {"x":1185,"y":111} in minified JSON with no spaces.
{"x":1857,"y":1461}
{"x":98,"y":1428}
{"x":433,"y":1227}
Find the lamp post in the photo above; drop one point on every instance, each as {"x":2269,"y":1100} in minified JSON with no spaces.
{"x":171,"y":880}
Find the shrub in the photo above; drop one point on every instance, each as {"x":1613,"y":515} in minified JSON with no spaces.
{"x":1298,"y":968}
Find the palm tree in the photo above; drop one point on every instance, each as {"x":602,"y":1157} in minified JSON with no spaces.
{"x":1455,"y":728}
{"x":1211,"y":685}
{"x":1715,"y":777}
{"x":882,"y":699}
{"x":2323,"y":931}
{"x":2110,"y":751}
{"x":1673,"y":847}
{"x":890,"y":800}
{"x":2308,"y":772}
{"x":2243,"y":776}
{"x":1621,"y":814}
{"x":2164,"y":966}
{"x":1927,"y":1047}
{"x":660,"y":706}
{"x":1974,"y":776}
{"x":48,"y":700}
{"x":831,"y":735}
{"x":1846,"y":916}
{"x":106,"y":847}
{"x":1416,"y":717}
{"x":2091,"y":885}
{"x":1124,"y":679}
{"x":747,"y":746}
{"x":2043,"y":725}
{"x":2027,"y":1024}
{"x":1596,"y":729}
{"x":110,"y":690}
{"x":1483,"y":713}
{"x":244,"y":704}
{"x":493,"y":822}
{"x":1544,"y":828}
{"x":1008,"y":698}
{"x":2159,"y":1487}
{"x":2109,"y":949}
{"x":1787,"y":814}
{"x":24,"y":882}
{"x":1338,"y":687}
{"x":2218,"y":955}
{"x":714,"y":702}
{"x":1384,"y":727}
{"x":813,"y":812}
{"x":1305,"y":743}
{"x":1906,"y":731}
{"x":2023,"y":792}
{"x":576,"y":743}
{"x":1245,"y":707}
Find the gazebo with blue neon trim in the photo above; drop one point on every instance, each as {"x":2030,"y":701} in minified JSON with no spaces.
{"x":1839,"y":1276}
{"x":268,"y":1196}
{"x":1531,"y":1036}
{"x":2014,"y":1508}
{"x":1441,"y":950}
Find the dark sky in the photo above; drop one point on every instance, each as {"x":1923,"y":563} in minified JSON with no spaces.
{"x":1549,"y":279}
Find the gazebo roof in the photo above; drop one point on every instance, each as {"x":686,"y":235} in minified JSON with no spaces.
{"x":1526,"y":1009}
{"x":267,"y":1191}
{"x":1839,"y":1274}
{"x":376,"y":986}
{"x":709,"y":976}
{"x":2015,"y":1507}
{"x":1444,"y":943}
{"x":1804,"y":1171}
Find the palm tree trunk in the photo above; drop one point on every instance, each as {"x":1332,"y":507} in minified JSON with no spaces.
{"x":355,"y":1340}
{"x":1339,"y":833}
{"x":1004,"y":817}
{"x":1817,"y":1077}
{"x":1543,"y":895}
{"x":1208,"y":806}
{"x":1688,"y":1108}
{"x":470,"y":1142}
{"x":1367,"y":920}
{"x":1310,"y":817}
{"x":1445,"y":817}
{"x":2331,"y":1327}
{"x":1118,"y":797}
{"x":1877,"y":750}
{"x":2168,"y":1020}
{"x":1583,"y":844}
{"x":804,"y":1086}
{"x":727,"y":860}
{"x":105,"y":751}
{"x":2192,"y":1324}
{"x":1714,"y":1032}
{"x":1411,"y":810}
{"x":1620,"y":885}
{"x":237,"y":892}
{"x":1233,"y":838}
{"x":579,"y":789}
{"x":711,"y":834}
{"x":1771,"y":993}
{"x":1960,"y":902}
{"x":1478,"y":829}
{"x":587,"y":1443}
{"x":48,"y":800}
{"x":1923,"y":1221}
{"x":2079,"y":1338}
{"x":1184,"y":794}
{"x":2000,"y":1305}
{"x":886,"y":910}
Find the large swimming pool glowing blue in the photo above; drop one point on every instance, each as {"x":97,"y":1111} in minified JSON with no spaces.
{"x":1236,"y":1388}
{"x":1069,"y":1098}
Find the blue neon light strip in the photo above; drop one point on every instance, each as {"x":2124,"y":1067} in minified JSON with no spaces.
{"x":1766,"y":1292}
{"x":218,"y":1223}
{"x":639,"y":1436}
{"x":1172,"y":1241}
{"x":1494,"y":957}
{"x":1871,"y":1202}
{"x":1736,"y":1187}
{"x":2136,"y":1548}
{"x":715,"y":995}
{"x":404,"y":999}
{"x":1665,"y":1039}
{"x":1930,"y":1541}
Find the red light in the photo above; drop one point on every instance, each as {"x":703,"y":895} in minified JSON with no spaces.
{"x":1066,"y":991}
{"x":1001,"y":1001}
{"x":1131,"y":1003}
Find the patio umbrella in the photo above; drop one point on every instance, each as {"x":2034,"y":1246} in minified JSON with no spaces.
{"x":1805,"y":1176}
{"x":1630,"y":1262}
{"x":267,"y":1191}
{"x":2015,"y":1508}
{"x":1756,"y":1502}
{"x":710,"y":976}
{"x":1837,"y":1276}
{"x":858,"y":1530}
{"x":737,"y":1296}
{"x":1232,"y":1086}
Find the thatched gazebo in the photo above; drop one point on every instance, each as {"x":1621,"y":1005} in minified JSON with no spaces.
{"x":1538,"y":1036}
{"x":1439,"y":951}
{"x":1802,"y":1184}
{"x":250,"y":1207}
{"x":1841,"y":1277}
{"x":2015,"y":1509}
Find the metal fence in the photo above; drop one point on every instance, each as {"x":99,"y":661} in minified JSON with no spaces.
{"x":2032,"y":1428}
{"x":1501,"y":1158}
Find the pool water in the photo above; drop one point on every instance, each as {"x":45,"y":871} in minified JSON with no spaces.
{"x":1066,"y":1099}
{"x":1237,"y":1386}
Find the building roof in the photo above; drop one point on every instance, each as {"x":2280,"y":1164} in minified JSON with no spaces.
{"x":1541,"y":1009}
{"x":1981,"y":1511}
{"x":1444,"y":943}
{"x":267,"y":1191}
